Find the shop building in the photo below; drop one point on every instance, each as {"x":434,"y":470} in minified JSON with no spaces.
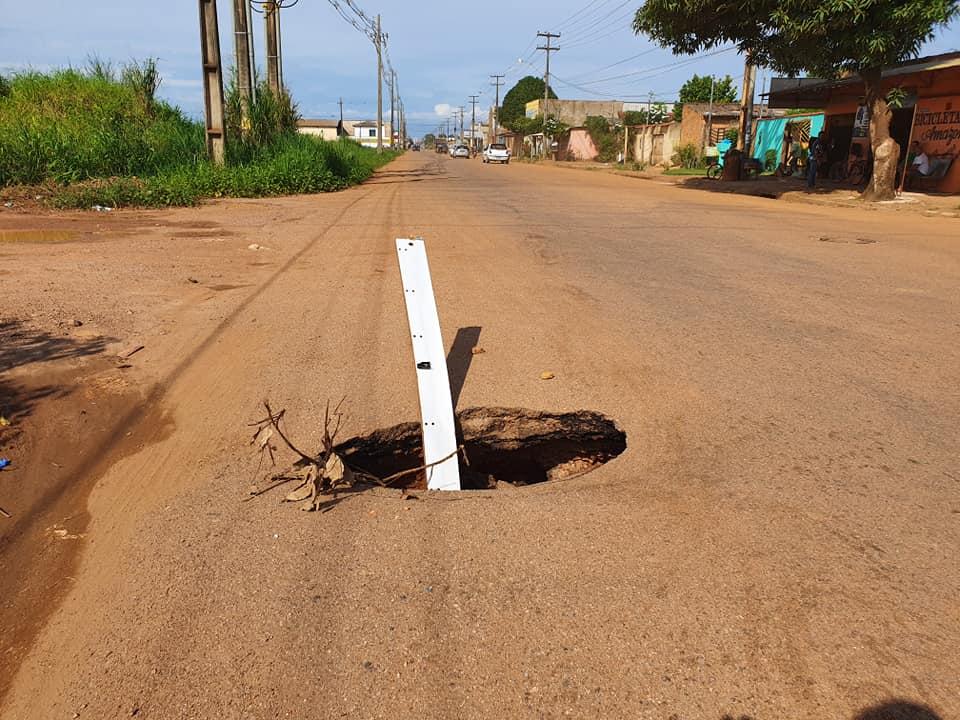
{"x":927,"y":110}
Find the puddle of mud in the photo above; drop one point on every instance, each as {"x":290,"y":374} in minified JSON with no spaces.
{"x":36,"y":236}
{"x":46,"y":490}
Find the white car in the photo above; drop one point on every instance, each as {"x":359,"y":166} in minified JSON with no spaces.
{"x":460,"y":151}
{"x":496,"y":152}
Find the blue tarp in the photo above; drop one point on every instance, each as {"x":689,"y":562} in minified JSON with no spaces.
{"x":770,"y":133}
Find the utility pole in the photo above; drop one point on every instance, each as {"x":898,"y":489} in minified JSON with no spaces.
{"x":379,"y":87}
{"x":461,"y":109}
{"x":497,"y":81}
{"x":393,"y":127}
{"x":242,"y":56}
{"x":745,"y":130}
{"x":212,"y":81}
{"x":473,"y":123}
{"x":709,"y":140}
{"x":271,"y":18}
{"x":546,"y":77}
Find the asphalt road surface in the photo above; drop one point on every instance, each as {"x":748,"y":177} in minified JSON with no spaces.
{"x":779,"y":540}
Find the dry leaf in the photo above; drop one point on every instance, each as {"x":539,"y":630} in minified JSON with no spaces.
{"x":547,"y":375}
{"x":301,"y":493}
{"x":477,"y":350}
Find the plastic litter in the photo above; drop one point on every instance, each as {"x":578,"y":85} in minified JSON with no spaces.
{"x":3,"y":463}
{"x":8,"y":204}
{"x":102,"y":208}
{"x":4,"y":422}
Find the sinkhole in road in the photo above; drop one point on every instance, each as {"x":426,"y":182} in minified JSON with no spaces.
{"x":513,"y":446}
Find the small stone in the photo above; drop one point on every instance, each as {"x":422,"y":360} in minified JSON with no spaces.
{"x":192,"y":280}
{"x":77,"y":323}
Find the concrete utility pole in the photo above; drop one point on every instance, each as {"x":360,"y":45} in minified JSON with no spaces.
{"x":212,"y":81}
{"x":497,"y":81}
{"x":473,"y":123}
{"x":271,"y":19}
{"x":242,"y":48}
{"x":393,"y":127}
{"x":379,"y":87}
{"x":546,"y":77}
{"x":745,"y":129}
{"x":461,"y":109}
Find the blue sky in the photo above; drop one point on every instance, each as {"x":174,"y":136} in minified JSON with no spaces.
{"x":441,"y":57}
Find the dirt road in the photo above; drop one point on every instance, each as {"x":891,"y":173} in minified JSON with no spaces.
{"x":778,"y":540}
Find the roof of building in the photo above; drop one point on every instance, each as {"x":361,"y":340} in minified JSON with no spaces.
{"x":815,"y":92}
{"x":307,"y":123}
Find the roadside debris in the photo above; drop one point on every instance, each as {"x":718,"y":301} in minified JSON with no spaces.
{"x":4,"y":422}
{"x":321,"y":476}
{"x":129,"y":352}
{"x":102,"y":208}
{"x":547,"y":375}
{"x":8,"y":204}
{"x":255,"y":246}
{"x":3,"y":463}
{"x":477,"y":350}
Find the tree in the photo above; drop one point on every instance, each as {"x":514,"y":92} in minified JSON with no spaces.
{"x":697,"y":89}
{"x":822,"y":37}
{"x":515,"y":101}
{"x":429,"y":141}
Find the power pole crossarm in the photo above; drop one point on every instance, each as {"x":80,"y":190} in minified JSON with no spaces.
{"x":497,"y":81}
{"x":546,"y":78}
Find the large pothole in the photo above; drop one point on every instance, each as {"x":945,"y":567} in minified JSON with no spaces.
{"x":502,"y":445}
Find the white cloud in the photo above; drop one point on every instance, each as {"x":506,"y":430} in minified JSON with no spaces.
{"x":442,"y":109}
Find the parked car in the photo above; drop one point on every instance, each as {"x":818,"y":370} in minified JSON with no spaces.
{"x":496,"y":152}
{"x":461,"y":151}
{"x":441,"y":147}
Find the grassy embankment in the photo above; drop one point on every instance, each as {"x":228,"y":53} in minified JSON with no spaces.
{"x":98,"y":137}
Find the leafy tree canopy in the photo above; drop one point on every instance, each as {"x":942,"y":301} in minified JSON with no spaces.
{"x":429,"y":140}
{"x":697,"y":89}
{"x":822,"y":37}
{"x":514,"y":105}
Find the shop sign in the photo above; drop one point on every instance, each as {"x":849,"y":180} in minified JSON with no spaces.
{"x":861,"y":123}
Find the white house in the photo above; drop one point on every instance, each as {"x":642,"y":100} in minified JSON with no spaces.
{"x":365,"y":133}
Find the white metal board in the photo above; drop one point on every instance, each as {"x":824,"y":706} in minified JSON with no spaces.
{"x":433,"y":381}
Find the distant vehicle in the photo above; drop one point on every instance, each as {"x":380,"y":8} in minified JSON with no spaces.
{"x":441,"y":147}
{"x":461,"y":151}
{"x":452,"y":149}
{"x":496,"y":152}
{"x":416,"y":148}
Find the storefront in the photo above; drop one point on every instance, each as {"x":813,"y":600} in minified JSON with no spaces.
{"x":927,"y":109}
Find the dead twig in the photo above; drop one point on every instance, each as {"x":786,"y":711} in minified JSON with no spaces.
{"x":5,"y":513}
{"x":404,"y":473}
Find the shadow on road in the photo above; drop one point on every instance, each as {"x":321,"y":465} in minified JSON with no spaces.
{"x":21,"y":346}
{"x":459,"y":359}
{"x":767,"y":186}
{"x":391,"y":177}
{"x":896,"y":709}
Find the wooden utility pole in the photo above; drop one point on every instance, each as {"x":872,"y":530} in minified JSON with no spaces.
{"x":546,"y":77}
{"x":473,"y":123}
{"x":271,"y":21}
{"x":461,"y":109}
{"x":745,"y":130}
{"x":497,"y":82}
{"x":393,"y":118}
{"x":379,"y":87}
{"x":212,"y":81}
{"x":241,"y":52}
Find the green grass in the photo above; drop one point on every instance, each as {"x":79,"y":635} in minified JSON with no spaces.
{"x":103,"y":140}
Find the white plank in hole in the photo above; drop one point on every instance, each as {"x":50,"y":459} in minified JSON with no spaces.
{"x":430,"y":360}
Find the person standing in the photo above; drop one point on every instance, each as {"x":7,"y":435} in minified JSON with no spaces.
{"x":813,"y":150}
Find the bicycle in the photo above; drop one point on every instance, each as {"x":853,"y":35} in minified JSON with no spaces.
{"x":714,"y":168}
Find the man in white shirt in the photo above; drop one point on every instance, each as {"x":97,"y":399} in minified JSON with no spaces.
{"x":920,"y":164}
